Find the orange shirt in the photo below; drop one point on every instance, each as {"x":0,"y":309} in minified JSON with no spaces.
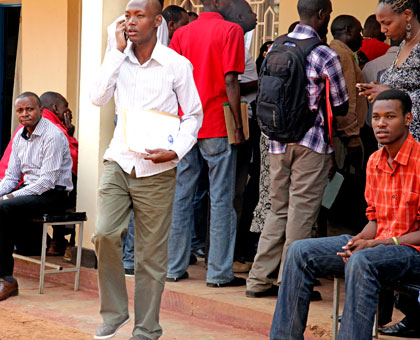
{"x":393,"y":196}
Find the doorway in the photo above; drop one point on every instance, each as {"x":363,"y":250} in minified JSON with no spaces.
{"x":9,"y":33}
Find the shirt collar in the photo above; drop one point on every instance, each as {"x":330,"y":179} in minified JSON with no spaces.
{"x":159,"y":54}
{"x":306,"y":30}
{"x":39,"y":128}
{"x":402,"y":157}
{"x":210,"y":15}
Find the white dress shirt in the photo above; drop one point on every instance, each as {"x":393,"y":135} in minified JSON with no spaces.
{"x":161,"y":83}
{"x":43,"y":159}
{"x":250,"y":74}
{"x":162,"y":34}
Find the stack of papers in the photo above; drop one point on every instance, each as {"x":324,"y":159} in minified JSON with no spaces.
{"x":148,"y":129}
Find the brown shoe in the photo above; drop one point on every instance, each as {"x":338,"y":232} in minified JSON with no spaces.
{"x":241,"y":267}
{"x":67,"y":254}
{"x":8,"y":289}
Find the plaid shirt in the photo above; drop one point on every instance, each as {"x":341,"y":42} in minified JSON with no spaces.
{"x":393,"y":195}
{"x":322,"y":62}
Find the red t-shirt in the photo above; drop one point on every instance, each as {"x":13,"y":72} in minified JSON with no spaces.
{"x":373,"y":48}
{"x":214,"y":47}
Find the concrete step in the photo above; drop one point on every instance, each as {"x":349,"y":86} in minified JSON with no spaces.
{"x":221,"y":306}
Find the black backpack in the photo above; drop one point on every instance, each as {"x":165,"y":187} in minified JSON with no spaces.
{"x":282,"y":103}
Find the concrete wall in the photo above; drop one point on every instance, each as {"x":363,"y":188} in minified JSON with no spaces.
{"x":96,"y":124}
{"x":361,"y":9}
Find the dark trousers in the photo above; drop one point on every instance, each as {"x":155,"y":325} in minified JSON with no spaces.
{"x":247,"y":192}
{"x":14,"y":216}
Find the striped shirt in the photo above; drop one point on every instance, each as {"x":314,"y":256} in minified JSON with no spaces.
{"x":322,"y":62}
{"x":43,"y":158}
{"x":393,"y":195}
{"x":162,"y":83}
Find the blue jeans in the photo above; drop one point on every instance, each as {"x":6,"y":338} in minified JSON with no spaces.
{"x":128,"y":245}
{"x":200,"y":205}
{"x":365,"y":272}
{"x":221,"y":159}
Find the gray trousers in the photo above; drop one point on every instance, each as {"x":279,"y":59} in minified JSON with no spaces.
{"x":298,"y":179}
{"x":151,"y":198}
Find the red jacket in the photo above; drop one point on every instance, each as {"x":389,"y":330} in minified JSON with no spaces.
{"x":74,"y":145}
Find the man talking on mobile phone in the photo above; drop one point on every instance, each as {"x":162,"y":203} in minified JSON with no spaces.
{"x":150,"y":76}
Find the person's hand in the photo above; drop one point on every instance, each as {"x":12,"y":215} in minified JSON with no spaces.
{"x":67,"y":123}
{"x":353,"y":245}
{"x":119,"y":35}
{"x":239,"y":136}
{"x":160,"y":155}
{"x":371,"y":90}
{"x":8,"y":196}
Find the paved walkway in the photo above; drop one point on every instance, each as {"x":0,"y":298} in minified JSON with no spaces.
{"x":190,"y":310}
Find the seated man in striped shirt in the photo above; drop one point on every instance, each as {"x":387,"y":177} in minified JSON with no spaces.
{"x":41,"y":154}
{"x":385,"y":251}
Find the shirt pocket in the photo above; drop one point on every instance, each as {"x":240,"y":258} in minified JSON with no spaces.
{"x":411,"y":204}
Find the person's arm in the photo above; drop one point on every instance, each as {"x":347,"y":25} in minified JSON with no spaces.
{"x":347,"y":125}
{"x":338,"y":91}
{"x":191,"y":121}
{"x":13,"y":172}
{"x":52,"y":150}
{"x":371,"y":90}
{"x":234,"y":97}
{"x":233,"y":63}
{"x":104,"y":86}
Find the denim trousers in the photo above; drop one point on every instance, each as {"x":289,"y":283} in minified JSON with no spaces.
{"x":365,"y":272}
{"x":221,"y":160}
{"x":128,"y":245}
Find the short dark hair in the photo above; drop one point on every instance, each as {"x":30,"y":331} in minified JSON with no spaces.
{"x":50,"y":98}
{"x":192,"y":14}
{"x":400,"y":6}
{"x":173,"y":13}
{"x":401,"y":96}
{"x":308,"y":8}
{"x":30,"y":94}
{"x":341,"y":23}
{"x":371,"y":23}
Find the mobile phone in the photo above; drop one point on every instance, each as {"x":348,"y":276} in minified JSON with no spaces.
{"x":125,"y":35}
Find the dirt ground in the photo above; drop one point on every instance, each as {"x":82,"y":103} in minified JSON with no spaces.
{"x":18,"y":326}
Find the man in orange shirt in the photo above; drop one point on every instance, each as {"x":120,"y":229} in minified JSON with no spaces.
{"x":387,"y":249}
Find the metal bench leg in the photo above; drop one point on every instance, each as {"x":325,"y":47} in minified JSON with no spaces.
{"x":336,"y":305}
{"x":375,"y":334}
{"x":79,"y":256}
{"x":43,"y":257}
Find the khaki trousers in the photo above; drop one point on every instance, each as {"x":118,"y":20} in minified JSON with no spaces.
{"x":151,"y":198}
{"x":298,"y":179}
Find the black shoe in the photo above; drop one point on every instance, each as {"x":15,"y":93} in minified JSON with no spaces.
{"x":316,"y":296}
{"x":179,"y":278}
{"x":236,"y":282}
{"x":193,"y":259}
{"x":129,"y":271}
{"x":401,"y":329}
{"x":200,"y":253}
{"x":272,"y":291}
